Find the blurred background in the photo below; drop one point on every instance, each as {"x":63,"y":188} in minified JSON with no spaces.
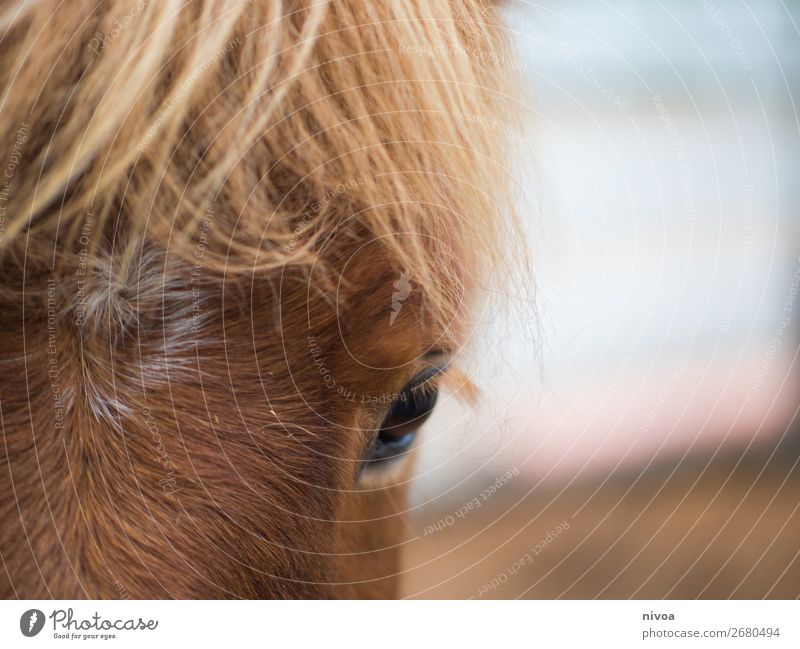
{"x":641,"y":438}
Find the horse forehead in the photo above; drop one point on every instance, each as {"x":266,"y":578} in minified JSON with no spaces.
{"x":381,"y":321}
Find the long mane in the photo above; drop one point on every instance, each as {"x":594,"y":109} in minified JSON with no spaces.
{"x":254,"y":130}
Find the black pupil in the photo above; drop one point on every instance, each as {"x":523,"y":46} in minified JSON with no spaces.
{"x":408,"y":413}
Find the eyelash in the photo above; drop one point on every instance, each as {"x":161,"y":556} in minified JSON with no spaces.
{"x":429,"y":384}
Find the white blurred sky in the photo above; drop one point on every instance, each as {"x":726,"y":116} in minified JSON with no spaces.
{"x":665,"y":240}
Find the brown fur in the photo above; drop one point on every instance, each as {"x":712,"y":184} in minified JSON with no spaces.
{"x":177,"y":252}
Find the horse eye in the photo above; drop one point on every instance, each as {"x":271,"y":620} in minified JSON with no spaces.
{"x":399,"y":429}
